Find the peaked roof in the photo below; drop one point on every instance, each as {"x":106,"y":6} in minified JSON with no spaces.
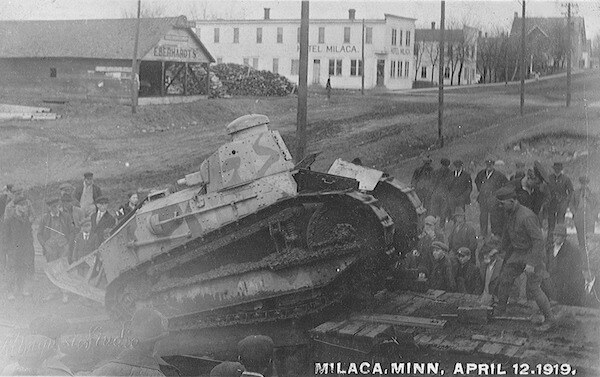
{"x":546,"y":25}
{"x":103,"y":39}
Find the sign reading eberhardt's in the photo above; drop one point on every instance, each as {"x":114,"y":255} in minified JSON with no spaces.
{"x":174,"y":51}
{"x":178,"y":46}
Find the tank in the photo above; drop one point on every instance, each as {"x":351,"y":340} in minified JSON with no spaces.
{"x":249,"y":239}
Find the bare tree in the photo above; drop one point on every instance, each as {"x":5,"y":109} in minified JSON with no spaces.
{"x":148,"y":10}
{"x":433,"y":52}
{"x":419,"y":51}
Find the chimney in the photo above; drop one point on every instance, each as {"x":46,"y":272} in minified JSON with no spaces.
{"x":433,"y":26}
{"x":351,"y":14}
{"x":267,"y":13}
{"x":516,"y":14}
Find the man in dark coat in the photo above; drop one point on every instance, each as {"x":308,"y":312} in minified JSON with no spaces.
{"x":585,"y":210}
{"x":462,"y":234}
{"x":430,"y":234}
{"x":523,"y":242}
{"x":422,"y":181}
{"x":529,"y":191}
{"x":102,"y":221}
{"x":85,"y":242}
{"x":561,"y":191}
{"x":468,"y":278}
{"x":460,"y":187}
{"x":439,"y":199}
{"x":18,"y":238}
{"x":87,"y":193}
{"x":566,"y":269}
{"x":444,"y":268}
{"x":489,"y":180}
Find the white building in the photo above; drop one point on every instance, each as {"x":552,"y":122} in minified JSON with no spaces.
{"x":335,"y":48}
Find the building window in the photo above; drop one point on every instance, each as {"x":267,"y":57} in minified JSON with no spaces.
{"x":400,"y":38}
{"x":408,"y":38}
{"x":219,"y":60}
{"x":406,"y":69}
{"x":295,"y":67}
{"x":217,"y":32}
{"x":236,"y":35}
{"x":394,"y":36}
{"x":356,"y":68}
{"x":399,"y":68}
{"x":346,"y":34}
{"x":335,"y":67}
{"x":369,"y":35}
{"x":52,"y":72}
{"x":393,"y":68}
{"x":298,"y":39}
{"x":423,"y":72}
{"x":447,"y":72}
{"x":246,"y":61}
{"x":258,"y":35}
{"x":255,"y":63}
{"x":321,"y":35}
{"x":275,"y":65}
{"x":279,"y":35}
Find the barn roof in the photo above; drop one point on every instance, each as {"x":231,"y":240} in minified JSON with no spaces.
{"x":99,"y":39}
{"x":546,"y":25}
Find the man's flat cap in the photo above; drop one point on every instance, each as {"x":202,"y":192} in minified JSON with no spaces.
{"x":227,"y":369}
{"x":439,"y":245}
{"x":558,"y":165}
{"x":490,"y":160}
{"x":464,"y":251}
{"x":429,"y":220}
{"x":457,"y":163}
{"x":88,"y":175}
{"x":256,"y":348}
{"x":506,"y":192}
{"x":445,"y":162}
{"x":102,"y":200}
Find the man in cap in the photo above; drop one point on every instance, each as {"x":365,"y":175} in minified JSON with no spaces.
{"x":585,"y":210}
{"x":519,"y":171}
{"x":422,"y":181}
{"x":18,"y":238}
{"x":490,"y":268}
{"x":431,"y":232}
{"x":72,"y":211}
{"x":128,"y":207}
{"x":489,"y":180}
{"x":529,"y":189}
{"x":561,"y":193}
{"x":256,"y":354}
{"x":523,"y":243}
{"x":468,"y":279}
{"x":444,"y":268}
{"x":565,"y":267}
{"x":87,"y":193}
{"x":66,"y":188}
{"x":55,"y":234}
{"x":462,"y":234}
{"x":227,"y":369}
{"x":102,"y":221}
{"x":442,"y":177}
{"x":85,"y":242}
{"x":460,"y":187}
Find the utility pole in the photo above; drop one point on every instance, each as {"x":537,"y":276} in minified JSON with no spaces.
{"x":441,"y":78}
{"x":302,"y":84}
{"x":134,"y":63}
{"x":569,"y":53}
{"x":362,"y":83}
{"x":523,"y":59}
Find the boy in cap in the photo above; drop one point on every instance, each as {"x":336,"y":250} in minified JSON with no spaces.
{"x":256,"y":354}
{"x":561,"y":193}
{"x":18,"y":238}
{"x":422,"y":181}
{"x":439,"y":199}
{"x":468,"y":279}
{"x":585,"y":210}
{"x":523,"y":243}
{"x":489,"y":180}
{"x":460,"y":187}
{"x":566,"y":269}
{"x":87,"y":193}
{"x":102,"y":221}
{"x":462,"y":234}
{"x":443,"y":271}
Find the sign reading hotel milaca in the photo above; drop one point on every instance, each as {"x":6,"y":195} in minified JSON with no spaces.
{"x":336,"y":49}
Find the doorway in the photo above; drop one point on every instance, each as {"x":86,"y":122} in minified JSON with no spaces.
{"x":380,"y":71}
{"x":316,"y":71}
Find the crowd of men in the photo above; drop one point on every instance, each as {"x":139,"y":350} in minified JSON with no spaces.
{"x":76,"y":221}
{"x":521,"y":247}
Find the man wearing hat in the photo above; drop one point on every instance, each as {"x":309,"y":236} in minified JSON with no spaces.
{"x":18,"y":241}
{"x":462,"y":234}
{"x":468,"y":279}
{"x":565,"y":267}
{"x":444,"y":269}
{"x":102,"y":221}
{"x":87,"y":193}
{"x":519,"y":171}
{"x":256,"y":354}
{"x":442,"y":177}
{"x":85,"y":242}
{"x":529,"y":191}
{"x":490,"y":268}
{"x":227,"y":369}
{"x":523,"y":243}
{"x":55,"y":234}
{"x":561,"y":193}
{"x":585,"y":210}
{"x":422,"y":181}
{"x":148,"y":326}
{"x":489,"y":180}
{"x":460,"y":187}
{"x":72,"y":211}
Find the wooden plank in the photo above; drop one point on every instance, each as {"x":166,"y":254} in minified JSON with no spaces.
{"x":351,"y":328}
{"x":507,"y":339}
{"x":461,"y":345}
{"x":368,"y":328}
{"x":380,"y":329}
{"x":435,"y":293}
{"x":401,"y":320}
{"x":327,"y":326}
{"x":511,"y":351}
{"x":422,"y":338}
{"x":45,"y":116}
{"x":490,"y":348}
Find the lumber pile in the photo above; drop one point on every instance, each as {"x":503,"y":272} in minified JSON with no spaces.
{"x":8,"y":112}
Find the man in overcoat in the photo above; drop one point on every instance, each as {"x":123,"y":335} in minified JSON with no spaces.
{"x":460,"y":188}
{"x":489,"y":180}
{"x":565,"y":267}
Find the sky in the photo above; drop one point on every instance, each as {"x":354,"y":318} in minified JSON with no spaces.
{"x":488,"y":16}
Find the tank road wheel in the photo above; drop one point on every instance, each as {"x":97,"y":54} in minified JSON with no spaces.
{"x":122,"y":295}
{"x":340,"y":222}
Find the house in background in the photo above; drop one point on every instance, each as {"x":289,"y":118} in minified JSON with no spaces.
{"x":460,"y":56}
